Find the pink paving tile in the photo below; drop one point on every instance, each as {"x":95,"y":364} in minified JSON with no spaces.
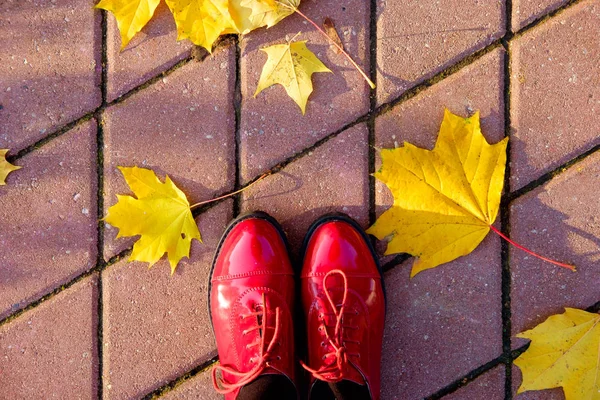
{"x":441,"y":324}
{"x":559,"y":220}
{"x":489,"y":386}
{"x":156,"y":326}
{"x":49,"y":65}
{"x":51,"y":351}
{"x":333,"y":177}
{"x":272,"y":126}
{"x":48,"y":218}
{"x":198,"y":387}
{"x":555,"y":89}
{"x":416,"y":39}
{"x":527,"y":11}
{"x":150,"y":52}
{"x":182,"y":126}
{"x":478,"y":86}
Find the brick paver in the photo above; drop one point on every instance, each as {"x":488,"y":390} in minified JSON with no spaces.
{"x":559,"y":220}
{"x":49,"y":67}
{"x":60,"y":303}
{"x":332,"y":178}
{"x":416,"y":39}
{"x":555,"y":92}
{"x":159,"y":128}
{"x":156,"y":326}
{"x":51,"y":352}
{"x":438,"y":325}
{"x":48,"y":219}
{"x":272,"y":127}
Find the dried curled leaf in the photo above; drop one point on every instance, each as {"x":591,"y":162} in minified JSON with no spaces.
{"x":5,"y":167}
{"x":564,"y":352}
{"x":131,"y":15}
{"x":291,"y":65}
{"x":445,"y":199}
{"x":160,"y":214}
{"x":329,"y":28}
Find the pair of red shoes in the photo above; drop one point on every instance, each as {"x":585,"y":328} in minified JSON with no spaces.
{"x":252,"y":298}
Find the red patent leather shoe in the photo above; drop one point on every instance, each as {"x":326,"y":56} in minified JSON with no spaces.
{"x":344,"y":304}
{"x":251,"y":300}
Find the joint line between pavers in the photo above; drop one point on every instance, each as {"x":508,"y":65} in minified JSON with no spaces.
{"x":173,"y":384}
{"x":466,"y":379}
{"x":545,"y":18}
{"x":237,"y":106}
{"x":100,"y":261}
{"x":372,"y":106}
{"x":550,"y":175}
{"x":505,"y":274}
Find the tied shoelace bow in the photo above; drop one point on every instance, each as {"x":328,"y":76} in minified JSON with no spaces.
{"x":263,"y":361}
{"x":334,"y":371}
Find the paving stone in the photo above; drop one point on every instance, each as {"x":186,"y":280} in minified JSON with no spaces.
{"x":156,"y":326}
{"x":150,"y":52}
{"x":555,"y":89}
{"x":46,"y":83}
{"x":182,"y":126}
{"x":548,"y":394}
{"x":417,"y":39}
{"x":51,"y":351}
{"x":527,"y":11}
{"x":198,"y":387}
{"x":489,"y":386}
{"x":333,"y":177}
{"x":272,"y":127}
{"x":478,"y":86}
{"x":441,"y":324}
{"x":48,"y":218}
{"x":559,"y":220}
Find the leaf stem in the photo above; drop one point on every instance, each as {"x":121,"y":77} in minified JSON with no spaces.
{"x":568,"y":266}
{"x":340,"y":48}
{"x":229,"y":194}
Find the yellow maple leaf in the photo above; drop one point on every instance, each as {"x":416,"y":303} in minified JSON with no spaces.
{"x":5,"y":167}
{"x":131,"y":15}
{"x":445,"y":199}
{"x":291,"y":65}
{"x":269,"y":12}
{"x":160,"y":214}
{"x":201,"y":21}
{"x":564,"y":351}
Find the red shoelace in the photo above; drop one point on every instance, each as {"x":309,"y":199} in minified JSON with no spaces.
{"x":265,"y":351}
{"x":333,"y":371}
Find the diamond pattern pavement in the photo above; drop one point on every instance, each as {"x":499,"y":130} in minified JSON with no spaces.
{"x":78,"y":321}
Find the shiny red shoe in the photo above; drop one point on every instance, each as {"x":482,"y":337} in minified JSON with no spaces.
{"x":343,"y":299}
{"x":251,"y":300}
